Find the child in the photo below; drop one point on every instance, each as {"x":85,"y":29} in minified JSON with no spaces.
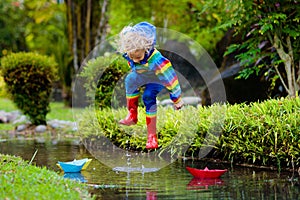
{"x":149,"y":69}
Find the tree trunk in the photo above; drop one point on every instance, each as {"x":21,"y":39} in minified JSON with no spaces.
{"x":298,"y":75}
{"x":84,"y":30}
{"x":101,"y":30}
{"x":88,"y":27}
{"x":288,"y":65}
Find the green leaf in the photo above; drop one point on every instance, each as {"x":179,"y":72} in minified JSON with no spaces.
{"x":231,"y":49}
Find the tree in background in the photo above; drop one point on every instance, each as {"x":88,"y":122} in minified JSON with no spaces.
{"x":12,"y":27}
{"x":87,"y":25}
{"x":270,"y":31}
{"x":69,"y":31}
{"x":47,"y":34}
{"x":38,"y":26}
{"x":184,"y":16}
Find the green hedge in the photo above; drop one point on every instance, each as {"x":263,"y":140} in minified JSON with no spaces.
{"x":265,"y":133}
{"x":101,"y":75}
{"x":29,"y":78}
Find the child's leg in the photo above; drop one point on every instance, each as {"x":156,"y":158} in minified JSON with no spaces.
{"x":132,"y":99}
{"x":149,"y":98}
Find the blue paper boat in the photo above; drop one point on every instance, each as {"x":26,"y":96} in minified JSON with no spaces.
{"x":74,"y":166}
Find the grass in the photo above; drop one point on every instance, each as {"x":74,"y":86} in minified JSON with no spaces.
{"x":20,"y":180}
{"x":260,"y":133}
{"x":7,"y":105}
{"x":57,"y":111}
{"x":60,"y":111}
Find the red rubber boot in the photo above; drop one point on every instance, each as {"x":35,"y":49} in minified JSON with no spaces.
{"x":132,"y":106}
{"x":152,"y":142}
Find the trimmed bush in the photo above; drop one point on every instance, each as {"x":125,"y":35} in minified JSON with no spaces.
{"x":265,"y":133}
{"x":29,"y":78}
{"x":101,"y":76}
{"x":3,"y":92}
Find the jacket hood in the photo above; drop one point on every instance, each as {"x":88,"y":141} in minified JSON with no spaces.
{"x":146,"y":29}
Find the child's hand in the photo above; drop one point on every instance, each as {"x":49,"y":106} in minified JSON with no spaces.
{"x":178,"y":105}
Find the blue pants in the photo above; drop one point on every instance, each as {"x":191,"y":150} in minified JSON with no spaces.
{"x":153,"y":86}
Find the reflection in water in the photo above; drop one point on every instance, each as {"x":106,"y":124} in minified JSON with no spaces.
{"x":135,"y":169}
{"x":50,"y":150}
{"x":129,"y":168}
{"x":151,"y":195}
{"x":203,"y":183}
{"x":75,"y":176}
{"x":117,"y":158}
{"x":170,"y":182}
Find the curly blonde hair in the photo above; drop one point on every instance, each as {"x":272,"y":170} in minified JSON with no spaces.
{"x":133,"y":38}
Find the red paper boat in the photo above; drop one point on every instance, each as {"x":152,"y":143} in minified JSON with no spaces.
{"x":206,"y":173}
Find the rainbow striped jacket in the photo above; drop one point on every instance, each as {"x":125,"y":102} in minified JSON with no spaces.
{"x":162,"y":68}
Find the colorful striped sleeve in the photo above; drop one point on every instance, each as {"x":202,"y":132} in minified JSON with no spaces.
{"x":166,"y":73}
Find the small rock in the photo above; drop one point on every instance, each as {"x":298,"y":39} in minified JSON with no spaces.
{"x":3,"y":119}
{"x":21,"y":127}
{"x":40,"y":140}
{"x":22,"y":119}
{"x":54,"y":124}
{"x":12,"y":116}
{"x":40,"y":128}
{"x":194,"y":101}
